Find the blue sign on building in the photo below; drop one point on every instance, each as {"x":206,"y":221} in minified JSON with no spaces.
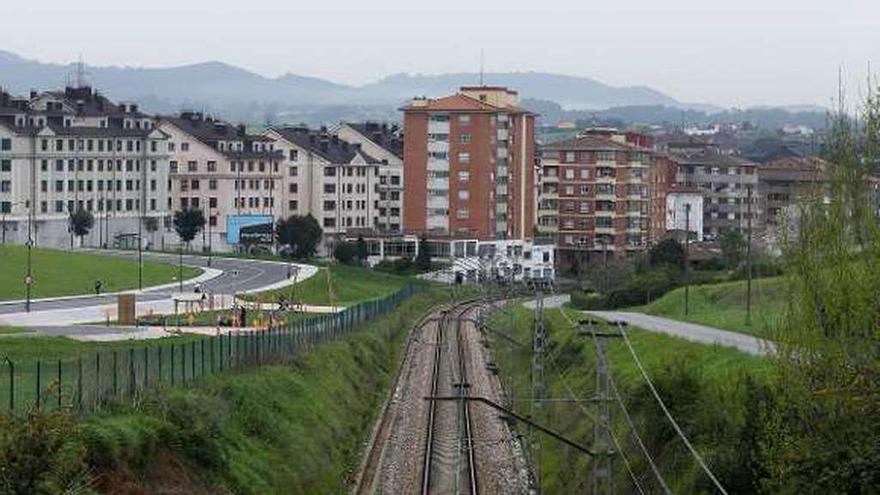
{"x":234,"y":224}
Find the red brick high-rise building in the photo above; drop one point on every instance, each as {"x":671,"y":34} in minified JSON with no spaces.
{"x":469,"y":163}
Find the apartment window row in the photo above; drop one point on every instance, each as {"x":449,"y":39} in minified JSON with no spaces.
{"x":238,"y":166}
{"x":97,"y":145}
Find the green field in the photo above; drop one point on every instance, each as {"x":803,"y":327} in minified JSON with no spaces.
{"x":296,"y":428}
{"x":351,"y":284}
{"x":704,"y":386}
{"x":62,"y":273}
{"x":724,"y":305}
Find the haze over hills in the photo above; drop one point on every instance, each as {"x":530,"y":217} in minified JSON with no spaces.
{"x":237,"y":93}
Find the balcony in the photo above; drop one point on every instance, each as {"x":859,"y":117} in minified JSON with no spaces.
{"x":438,"y":147}
{"x":438,"y":127}
{"x":438,"y":184}
{"x":502,"y":134}
{"x":436,"y":165}
{"x":440,"y":202}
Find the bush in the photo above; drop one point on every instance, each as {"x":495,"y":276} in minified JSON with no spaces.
{"x":587,"y":300}
{"x":346,"y":253}
{"x":644,"y":287}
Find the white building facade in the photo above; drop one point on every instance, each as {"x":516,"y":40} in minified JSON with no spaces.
{"x":64,"y":151}
{"x":684,"y":212}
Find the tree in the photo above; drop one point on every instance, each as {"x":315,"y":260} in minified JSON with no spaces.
{"x":81,"y":222}
{"x":423,"y":259}
{"x":733,"y":246}
{"x":301,"y":235}
{"x":666,"y":252}
{"x":151,"y":225}
{"x":188,"y":223}
{"x":362,"y":251}
{"x":345,"y":252}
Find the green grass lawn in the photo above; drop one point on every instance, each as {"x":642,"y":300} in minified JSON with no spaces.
{"x":709,"y":402}
{"x":351,"y":284}
{"x":724,"y":305}
{"x":62,"y":273}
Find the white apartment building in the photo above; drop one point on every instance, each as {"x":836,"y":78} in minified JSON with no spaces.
{"x":384,"y":143}
{"x":63,"y":151}
{"x":335,"y":181}
{"x":684,"y":212}
{"x":224,"y":171}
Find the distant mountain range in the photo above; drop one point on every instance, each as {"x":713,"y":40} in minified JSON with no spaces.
{"x":236,"y":93}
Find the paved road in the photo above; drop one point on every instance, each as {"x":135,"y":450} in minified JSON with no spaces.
{"x":239,"y":275}
{"x":691,"y":331}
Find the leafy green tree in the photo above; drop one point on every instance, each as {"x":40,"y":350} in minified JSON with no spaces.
{"x":423,"y":259}
{"x":301,"y":234}
{"x":345,"y":252}
{"x":188,"y":223}
{"x":362,"y":251}
{"x":733,"y":247}
{"x":81,"y":222}
{"x":666,"y":252}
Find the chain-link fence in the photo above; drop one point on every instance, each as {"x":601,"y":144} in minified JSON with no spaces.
{"x":92,"y":381}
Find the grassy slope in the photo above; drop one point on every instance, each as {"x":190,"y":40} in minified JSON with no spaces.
{"x":570,"y":362}
{"x":279,"y":429}
{"x":724,"y":305}
{"x":351,"y":284}
{"x":61,"y":273}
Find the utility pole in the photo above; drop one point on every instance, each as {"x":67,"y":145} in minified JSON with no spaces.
{"x":538,"y":385}
{"x":687,"y":245}
{"x":749,"y":261}
{"x":602,"y":475}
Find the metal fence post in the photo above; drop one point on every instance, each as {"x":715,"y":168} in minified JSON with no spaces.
{"x":132,"y":379}
{"x":79,"y":383}
{"x":11,"y":384}
{"x":59,"y":384}
{"x":38,"y":384}
{"x":146,"y":367}
{"x":202,"y":345}
{"x":172,"y":365}
{"x":115,"y":374}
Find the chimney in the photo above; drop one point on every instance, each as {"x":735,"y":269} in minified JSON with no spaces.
{"x":241,"y":129}
{"x":33,"y":94}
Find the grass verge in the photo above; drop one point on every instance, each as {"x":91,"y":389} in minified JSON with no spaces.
{"x":297,"y":428}
{"x":62,"y":273}
{"x":706,"y":387}
{"x":724,"y":305}
{"x":351,"y":284}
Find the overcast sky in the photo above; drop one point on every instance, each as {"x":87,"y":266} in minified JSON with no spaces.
{"x":726,"y":52}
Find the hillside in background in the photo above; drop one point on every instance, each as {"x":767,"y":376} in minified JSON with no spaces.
{"x":238,"y":94}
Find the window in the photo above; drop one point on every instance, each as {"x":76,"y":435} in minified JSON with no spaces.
{"x":194,"y":184}
{"x":293,"y":188}
{"x":183,"y":146}
{"x":6,"y":144}
{"x":212,"y":166}
{"x":329,"y":188}
{"x":192,"y":166}
{"x":212,"y":184}
{"x":464,"y":138}
{"x":212,"y":202}
{"x":293,"y":205}
{"x":330,"y":222}
{"x":464,"y":176}
{"x":5,"y":165}
{"x":329,"y":171}
{"x":569,"y":173}
{"x":293,"y":155}
{"x":464,"y":194}
{"x":329,"y":205}
{"x":172,"y":165}
{"x":463,"y":214}
{"x":293,"y":171}
{"x":464,"y":119}
{"x":464,"y":158}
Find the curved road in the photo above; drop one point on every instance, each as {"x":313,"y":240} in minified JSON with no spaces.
{"x":239,"y":275}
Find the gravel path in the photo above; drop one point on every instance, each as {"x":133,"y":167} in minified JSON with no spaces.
{"x":691,"y":331}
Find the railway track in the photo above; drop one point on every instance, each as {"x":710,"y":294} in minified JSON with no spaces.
{"x":443,"y":447}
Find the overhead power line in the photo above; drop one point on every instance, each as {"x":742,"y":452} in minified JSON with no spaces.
{"x":668,"y":414}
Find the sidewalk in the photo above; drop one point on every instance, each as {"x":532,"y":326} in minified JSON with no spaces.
{"x":691,"y":331}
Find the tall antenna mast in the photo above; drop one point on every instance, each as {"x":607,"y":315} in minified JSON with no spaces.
{"x":482,"y":67}
{"x":80,"y":72}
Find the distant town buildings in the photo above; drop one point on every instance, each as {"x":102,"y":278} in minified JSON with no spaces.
{"x":594,"y":195}
{"x":229,"y":174}
{"x":469,"y":163}
{"x":724,"y":180}
{"x":63,"y":151}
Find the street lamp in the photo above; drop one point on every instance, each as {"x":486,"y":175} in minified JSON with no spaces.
{"x":29,"y":279}
{"x":211,"y":220}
